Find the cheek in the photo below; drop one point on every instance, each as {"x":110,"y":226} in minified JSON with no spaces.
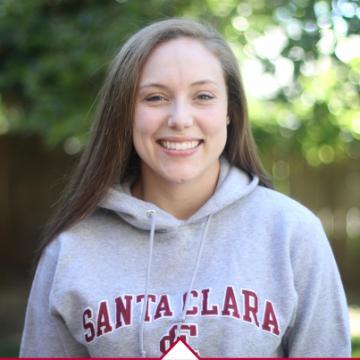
{"x":146,"y":121}
{"x":146,"y":125}
{"x":216,"y":131}
{"x":215,"y":124}
{"x":140,"y":124}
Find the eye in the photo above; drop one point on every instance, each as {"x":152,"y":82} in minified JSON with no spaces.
{"x":205,"y":96}
{"x":155,"y":98}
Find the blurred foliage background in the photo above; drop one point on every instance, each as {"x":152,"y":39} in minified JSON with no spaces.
{"x":300,"y":61}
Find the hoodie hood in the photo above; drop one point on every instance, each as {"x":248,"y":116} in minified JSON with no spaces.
{"x":233,"y":184}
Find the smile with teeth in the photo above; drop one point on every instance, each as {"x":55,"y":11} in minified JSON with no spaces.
{"x":185,"y":145}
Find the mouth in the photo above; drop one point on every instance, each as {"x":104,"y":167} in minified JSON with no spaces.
{"x":179,"y":145}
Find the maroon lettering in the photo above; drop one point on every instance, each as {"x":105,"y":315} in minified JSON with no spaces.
{"x":200,"y":302}
{"x":163,"y":308}
{"x":123,"y":312}
{"x":250,"y":306}
{"x":205,"y":304}
{"x":194,"y":310}
{"x":103,"y":320}
{"x":230,"y":307}
{"x":88,"y":325}
{"x":152,"y":298}
{"x":171,"y":337}
{"x":270,"y":322}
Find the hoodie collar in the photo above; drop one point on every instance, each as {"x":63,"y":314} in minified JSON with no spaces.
{"x":233,"y":184}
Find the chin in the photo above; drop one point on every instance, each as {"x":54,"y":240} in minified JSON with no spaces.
{"x":180,"y":178}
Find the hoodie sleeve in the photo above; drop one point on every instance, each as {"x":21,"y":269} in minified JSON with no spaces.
{"x":320,"y":326}
{"x":45,"y":334}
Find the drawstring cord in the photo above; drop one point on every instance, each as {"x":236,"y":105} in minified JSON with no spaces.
{"x":196,"y":269}
{"x":152,"y":216}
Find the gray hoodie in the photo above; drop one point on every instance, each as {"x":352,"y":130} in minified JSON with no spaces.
{"x":250,"y":274}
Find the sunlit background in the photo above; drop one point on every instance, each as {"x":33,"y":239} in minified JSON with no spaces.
{"x":300,"y":62}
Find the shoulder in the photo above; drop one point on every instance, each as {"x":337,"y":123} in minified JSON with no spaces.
{"x":291,"y":222}
{"x":280,"y":208}
{"x":91,"y":230}
{"x":280,"y":218}
{"x":79,"y":247}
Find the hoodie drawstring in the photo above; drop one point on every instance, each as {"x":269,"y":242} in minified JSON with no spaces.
{"x":197,"y":264}
{"x":152,"y":216}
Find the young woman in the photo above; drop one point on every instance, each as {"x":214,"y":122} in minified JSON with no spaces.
{"x":169,"y":228}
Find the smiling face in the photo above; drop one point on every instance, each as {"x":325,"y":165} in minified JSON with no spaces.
{"x":179,"y":129}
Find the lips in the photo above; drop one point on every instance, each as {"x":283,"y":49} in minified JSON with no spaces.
{"x":179,"y":145}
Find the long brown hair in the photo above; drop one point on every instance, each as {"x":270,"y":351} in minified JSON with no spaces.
{"x":109,"y":155}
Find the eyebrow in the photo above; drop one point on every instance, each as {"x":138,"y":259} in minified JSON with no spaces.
{"x":195,"y":83}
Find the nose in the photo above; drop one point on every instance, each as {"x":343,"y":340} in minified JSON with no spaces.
{"x":180,"y":116}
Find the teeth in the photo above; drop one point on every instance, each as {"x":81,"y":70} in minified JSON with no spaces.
{"x":186,"y":145}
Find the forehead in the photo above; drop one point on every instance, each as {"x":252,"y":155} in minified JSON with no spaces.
{"x":184,"y":57}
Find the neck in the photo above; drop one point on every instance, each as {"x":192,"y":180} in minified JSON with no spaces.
{"x":179,"y":199}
